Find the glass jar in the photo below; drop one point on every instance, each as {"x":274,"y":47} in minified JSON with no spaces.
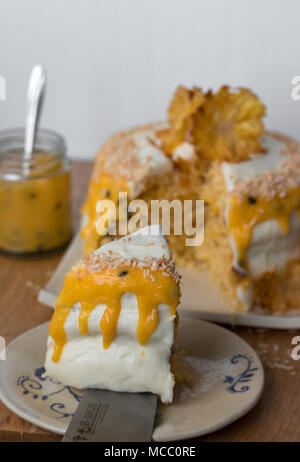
{"x":35,"y":205}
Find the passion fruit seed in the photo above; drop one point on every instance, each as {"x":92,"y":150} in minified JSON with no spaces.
{"x":123,"y":273}
{"x":252,"y":200}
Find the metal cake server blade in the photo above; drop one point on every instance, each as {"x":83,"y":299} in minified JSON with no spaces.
{"x":109,"y":416}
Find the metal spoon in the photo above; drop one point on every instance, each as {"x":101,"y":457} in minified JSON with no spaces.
{"x":35,"y":94}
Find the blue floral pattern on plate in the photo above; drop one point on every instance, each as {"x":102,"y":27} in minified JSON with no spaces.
{"x":36,"y":388}
{"x":245,"y":376}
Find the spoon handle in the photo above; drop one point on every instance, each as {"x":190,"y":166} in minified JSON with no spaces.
{"x":36,"y":90}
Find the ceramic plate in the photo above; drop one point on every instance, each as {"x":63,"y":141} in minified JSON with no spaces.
{"x":225,"y":380}
{"x":199,"y":294}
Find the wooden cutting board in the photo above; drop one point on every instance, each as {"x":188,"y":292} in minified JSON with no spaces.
{"x":275,"y":418}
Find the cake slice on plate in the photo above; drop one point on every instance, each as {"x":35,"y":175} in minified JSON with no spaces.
{"x":115,"y":319}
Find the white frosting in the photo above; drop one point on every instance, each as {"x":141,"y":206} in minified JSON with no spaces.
{"x":146,"y":138}
{"x":256,"y":165}
{"x":149,"y":155}
{"x":145,"y":242}
{"x":125,"y":365}
{"x":245,"y":295}
{"x":269,"y":249}
{"x":184,"y":151}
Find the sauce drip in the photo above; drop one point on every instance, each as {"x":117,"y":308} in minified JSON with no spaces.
{"x":91,"y":289}
{"x":104,"y":187}
{"x":245,"y":214}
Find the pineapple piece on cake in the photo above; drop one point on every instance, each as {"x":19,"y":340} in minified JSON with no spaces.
{"x":228,"y":125}
{"x":115,"y":319}
{"x":183,"y":107}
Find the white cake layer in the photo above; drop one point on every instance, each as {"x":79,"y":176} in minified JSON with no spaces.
{"x":272,"y":249}
{"x":125,"y":365}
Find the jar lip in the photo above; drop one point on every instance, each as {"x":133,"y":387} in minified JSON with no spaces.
{"x":19,"y":132}
{"x":14,"y":167}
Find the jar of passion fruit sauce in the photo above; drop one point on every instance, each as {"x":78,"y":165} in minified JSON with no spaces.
{"x":35,"y":205}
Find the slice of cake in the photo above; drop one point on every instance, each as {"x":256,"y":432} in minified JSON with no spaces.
{"x":115,"y":319}
{"x":214,"y":148}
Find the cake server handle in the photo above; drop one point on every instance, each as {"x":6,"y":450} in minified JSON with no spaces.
{"x":109,"y":416}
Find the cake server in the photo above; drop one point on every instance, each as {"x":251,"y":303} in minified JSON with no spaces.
{"x":109,"y":416}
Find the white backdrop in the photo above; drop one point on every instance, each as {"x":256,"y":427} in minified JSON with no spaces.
{"x":115,"y":63}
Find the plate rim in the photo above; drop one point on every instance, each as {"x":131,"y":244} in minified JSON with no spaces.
{"x":251,"y":320}
{"x":176,"y":437}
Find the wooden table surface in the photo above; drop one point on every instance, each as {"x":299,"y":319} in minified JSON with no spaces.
{"x":275,"y":418}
